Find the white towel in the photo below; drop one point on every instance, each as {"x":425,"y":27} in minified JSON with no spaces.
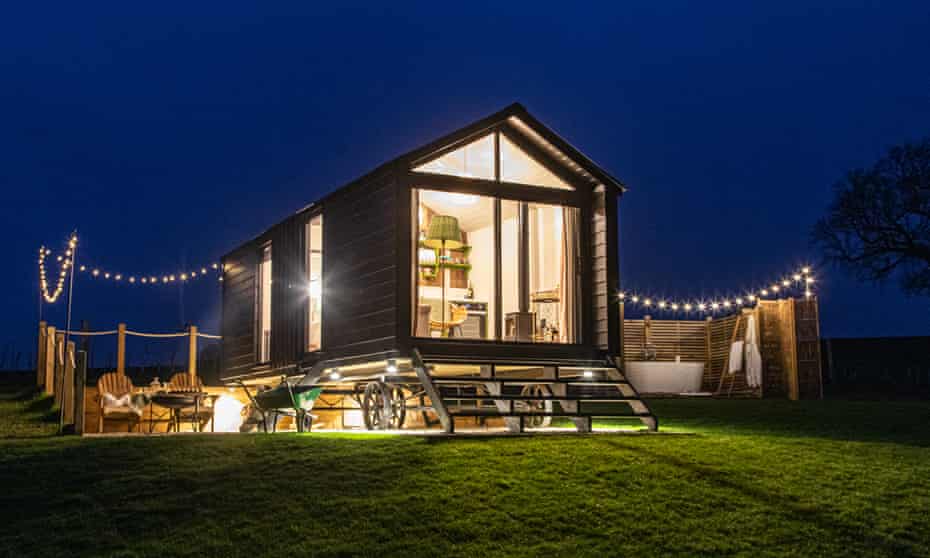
{"x":736,"y":357}
{"x":753,"y":356}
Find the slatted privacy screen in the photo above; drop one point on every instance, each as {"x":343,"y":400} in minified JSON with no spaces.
{"x":706,"y":341}
{"x":668,"y":338}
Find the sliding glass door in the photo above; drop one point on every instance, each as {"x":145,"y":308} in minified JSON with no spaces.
{"x":461,"y":241}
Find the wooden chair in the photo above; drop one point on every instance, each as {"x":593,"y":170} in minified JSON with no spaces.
{"x":202,"y":413}
{"x":182,"y":381}
{"x":423,"y":321}
{"x":117,"y":385}
{"x":458,"y":316}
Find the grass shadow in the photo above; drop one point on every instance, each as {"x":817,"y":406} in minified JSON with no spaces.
{"x":789,"y":508}
{"x":150,"y":492}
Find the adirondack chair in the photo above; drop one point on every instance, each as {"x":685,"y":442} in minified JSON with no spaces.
{"x":202,"y":413}
{"x":117,"y":386}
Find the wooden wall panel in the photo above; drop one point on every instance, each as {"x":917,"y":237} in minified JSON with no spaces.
{"x":807,"y":333}
{"x":779,"y":373}
{"x":289,"y":291}
{"x":600,"y":266}
{"x":238,"y":320}
{"x":360,"y":267}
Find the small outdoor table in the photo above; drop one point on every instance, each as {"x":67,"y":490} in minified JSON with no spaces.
{"x":176,"y":402}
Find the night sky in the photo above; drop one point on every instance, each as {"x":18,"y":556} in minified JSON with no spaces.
{"x":167,"y":135}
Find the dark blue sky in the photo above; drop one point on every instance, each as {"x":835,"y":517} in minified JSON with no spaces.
{"x":169,"y":134}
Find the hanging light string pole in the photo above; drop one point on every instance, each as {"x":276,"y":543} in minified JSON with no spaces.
{"x":71,"y":253}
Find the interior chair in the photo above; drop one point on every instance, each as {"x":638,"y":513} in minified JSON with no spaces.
{"x":457,"y":317}
{"x":423,"y":321}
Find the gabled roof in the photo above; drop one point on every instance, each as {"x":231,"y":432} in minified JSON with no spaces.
{"x":519,"y":119}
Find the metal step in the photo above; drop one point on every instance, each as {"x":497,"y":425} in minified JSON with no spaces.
{"x":504,"y":406}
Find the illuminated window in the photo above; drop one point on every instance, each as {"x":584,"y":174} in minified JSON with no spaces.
{"x":518,"y":167}
{"x":314,"y":282}
{"x":264,"y":306}
{"x":460,"y":239}
{"x":475,"y":160}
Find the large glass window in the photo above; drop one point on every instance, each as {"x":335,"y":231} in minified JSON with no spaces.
{"x":517,"y":166}
{"x":474,"y":160}
{"x":457,"y":284}
{"x":477,"y":160}
{"x":455,"y":265}
{"x":552,"y":257}
{"x":264,"y":305}
{"x":315,"y":283}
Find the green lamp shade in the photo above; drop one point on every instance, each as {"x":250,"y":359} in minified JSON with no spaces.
{"x":444,"y":233}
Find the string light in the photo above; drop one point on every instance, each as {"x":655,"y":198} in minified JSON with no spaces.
{"x":185,"y":276}
{"x":65,"y":261}
{"x":783,"y":287}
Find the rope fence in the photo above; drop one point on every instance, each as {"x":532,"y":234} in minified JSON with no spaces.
{"x":53,"y":342}
{"x":138,"y":334}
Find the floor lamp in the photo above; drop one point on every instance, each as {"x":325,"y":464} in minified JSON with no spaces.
{"x":443,"y":234}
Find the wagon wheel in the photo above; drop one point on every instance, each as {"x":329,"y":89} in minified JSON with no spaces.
{"x":537,"y":406}
{"x":398,"y":408}
{"x":383,"y":407}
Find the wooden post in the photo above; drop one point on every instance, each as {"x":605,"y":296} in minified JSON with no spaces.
{"x":41,"y":354}
{"x":67,"y":385}
{"x":48,"y":363}
{"x":59,"y":368}
{"x":709,"y":347}
{"x":121,"y":349}
{"x":621,"y":357}
{"x":80,"y":383}
{"x":791,"y":349}
{"x":192,"y":355}
{"x":647,"y":329}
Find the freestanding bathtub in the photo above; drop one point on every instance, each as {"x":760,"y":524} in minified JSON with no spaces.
{"x":665,"y":377}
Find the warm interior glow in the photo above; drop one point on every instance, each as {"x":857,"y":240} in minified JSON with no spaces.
{"x":475,"y":160}
{"x":518,"y":167}
{"x":462,"y":274}
{"x":264,"y":310}
{"x":315,"y":282}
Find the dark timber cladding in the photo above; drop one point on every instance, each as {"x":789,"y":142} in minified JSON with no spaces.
{"x":369,"y":251}
{"x":238,"y":320}
{"x":288,"y":291}
{"x":360,"y":267}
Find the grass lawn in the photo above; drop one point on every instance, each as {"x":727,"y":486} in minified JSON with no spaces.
{"x":769,"y":478}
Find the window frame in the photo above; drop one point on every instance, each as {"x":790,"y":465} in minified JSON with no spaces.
{"x":259,"y":303}
{"x":307,"y":269}
{"x":581,"y":268}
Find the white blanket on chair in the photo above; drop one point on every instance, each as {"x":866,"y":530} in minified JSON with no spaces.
{"x":120,"y":404}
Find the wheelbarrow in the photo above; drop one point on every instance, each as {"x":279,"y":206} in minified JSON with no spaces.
{"x":285,"y":400}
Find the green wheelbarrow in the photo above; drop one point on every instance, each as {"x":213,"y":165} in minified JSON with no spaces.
{"x":285,"y":400}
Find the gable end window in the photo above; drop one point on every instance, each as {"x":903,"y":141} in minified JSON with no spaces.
{"x":478,"y":158}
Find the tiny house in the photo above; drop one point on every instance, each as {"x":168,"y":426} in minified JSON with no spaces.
{"x":491,"y":251}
